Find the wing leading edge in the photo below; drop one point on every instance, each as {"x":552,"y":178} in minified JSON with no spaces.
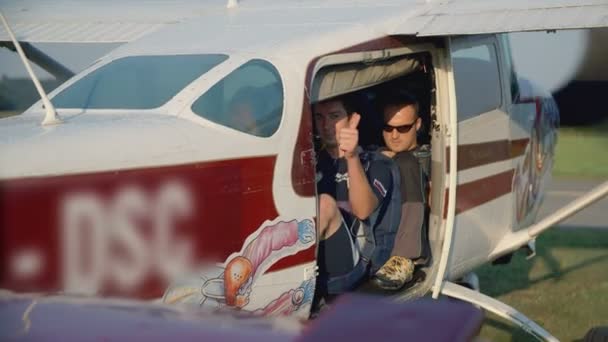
{"x":484,"y":17}
{"x":99,"y":22}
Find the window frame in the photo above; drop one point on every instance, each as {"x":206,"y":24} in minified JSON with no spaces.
{"x":235,"y":66}
{"x":472,"y":42}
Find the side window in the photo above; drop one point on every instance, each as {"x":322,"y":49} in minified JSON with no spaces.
{"x":477,"y":80}
{"x":250,"y":100}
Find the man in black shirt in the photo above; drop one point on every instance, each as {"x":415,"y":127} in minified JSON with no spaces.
{"x":401,"y":123}
{"x":352,"y":188}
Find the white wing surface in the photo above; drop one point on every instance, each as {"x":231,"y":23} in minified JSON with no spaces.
{"x":487,"y":16}
{"x":94,"y":21}
{"x":90,"y":21}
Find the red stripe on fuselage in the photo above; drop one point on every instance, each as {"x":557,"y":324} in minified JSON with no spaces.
{"x":473,"y":194}
{"x":229,"y":200}
{"x":480,"y":154}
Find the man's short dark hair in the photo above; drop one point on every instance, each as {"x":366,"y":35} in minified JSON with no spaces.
{"x":399,"y":98}
{"x":349,"y":102}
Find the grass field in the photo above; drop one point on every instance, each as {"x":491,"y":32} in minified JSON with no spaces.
{"x":582,"y":151}
{"x":6,"y":114}
{"x":564,"y":288}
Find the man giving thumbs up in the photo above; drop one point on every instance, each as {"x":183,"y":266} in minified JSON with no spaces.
{"x":352,"y":189}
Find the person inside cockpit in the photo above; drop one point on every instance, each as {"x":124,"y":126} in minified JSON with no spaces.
{"x":242,"y":111}
{"x":401,"y":124}
{"x":354,"y":189}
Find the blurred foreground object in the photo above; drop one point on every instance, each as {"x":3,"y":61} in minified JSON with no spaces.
{"x":39,"y":317}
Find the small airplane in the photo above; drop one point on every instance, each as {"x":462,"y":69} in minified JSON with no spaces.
{"x":136,"y":171}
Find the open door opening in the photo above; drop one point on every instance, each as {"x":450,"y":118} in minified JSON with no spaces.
{"x":366,"y":82}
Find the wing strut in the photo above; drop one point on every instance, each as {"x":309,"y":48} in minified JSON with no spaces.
{"x":572,"y":208}
{"x":51,"y":117}
{"x":42,"y":60}
{"x":512,"y":243}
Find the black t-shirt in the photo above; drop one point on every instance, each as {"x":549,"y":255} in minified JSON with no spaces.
{"x":332,"y":178}
{"x":411,"y":183}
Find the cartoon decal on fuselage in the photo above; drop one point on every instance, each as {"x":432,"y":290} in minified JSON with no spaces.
{"x":533,"y":170}
{"x":290,"y":301}
{"x":232,"y":284}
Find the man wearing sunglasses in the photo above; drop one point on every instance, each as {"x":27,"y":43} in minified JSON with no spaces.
{"x":401,"y":124}
{"x":354,"y":190}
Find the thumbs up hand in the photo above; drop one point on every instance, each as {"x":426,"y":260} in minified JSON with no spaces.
{"x":348,"y":137}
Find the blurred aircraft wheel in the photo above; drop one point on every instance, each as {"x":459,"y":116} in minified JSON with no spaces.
{"x":597,"y":334}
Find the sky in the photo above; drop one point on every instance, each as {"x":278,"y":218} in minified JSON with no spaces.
{"x":548,"y":59}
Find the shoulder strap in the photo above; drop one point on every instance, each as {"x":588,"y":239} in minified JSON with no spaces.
{"x":423,"y":155}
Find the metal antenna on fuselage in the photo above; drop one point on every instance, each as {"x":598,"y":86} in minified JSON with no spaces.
{"x":51,"y":117}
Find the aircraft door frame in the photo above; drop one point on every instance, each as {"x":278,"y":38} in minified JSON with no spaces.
{"x":476,"y":209}
{"x":437,"y":126}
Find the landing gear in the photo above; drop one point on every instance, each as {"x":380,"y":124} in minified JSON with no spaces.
{"x":501,"y":309}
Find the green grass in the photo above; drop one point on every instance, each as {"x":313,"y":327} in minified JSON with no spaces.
{"x":582,"y":151}
{"x":6,"y":114}
{"x":564,"y":288}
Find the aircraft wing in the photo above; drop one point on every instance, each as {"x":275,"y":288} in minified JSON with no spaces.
{"x":115,"y":21}
{"x":91,"y":21}
{"x":493,"y":16}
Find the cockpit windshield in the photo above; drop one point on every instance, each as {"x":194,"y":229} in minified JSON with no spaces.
{"x":137,"y":82}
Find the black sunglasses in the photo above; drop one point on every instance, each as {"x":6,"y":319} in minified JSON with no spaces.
{"x":401,"y":129}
